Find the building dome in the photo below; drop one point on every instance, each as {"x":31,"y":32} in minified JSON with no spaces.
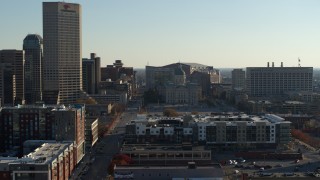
{"x":179,"y":71}
{"x":180,"y":76}
{"x":33,"y":37}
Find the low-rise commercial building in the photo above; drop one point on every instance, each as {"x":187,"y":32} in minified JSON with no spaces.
{"x":161,"y":154}
{"x":191,"y":171}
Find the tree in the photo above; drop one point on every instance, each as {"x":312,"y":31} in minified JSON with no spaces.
{"x":194,"y":112}
{"x":151,"y":96}
{"x":89,"y":100}
{"x":117,"y":108}
{"x":119,"y":159}
{"x":169,"y":112}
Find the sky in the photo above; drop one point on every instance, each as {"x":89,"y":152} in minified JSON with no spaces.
{"x":218,"y":33}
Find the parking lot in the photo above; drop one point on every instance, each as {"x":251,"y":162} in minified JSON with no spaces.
{"x":269,"y":168}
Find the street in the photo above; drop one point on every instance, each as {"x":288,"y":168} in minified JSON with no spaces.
{"x":95,"y":163}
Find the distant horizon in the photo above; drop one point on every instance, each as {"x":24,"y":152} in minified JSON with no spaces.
{"x":230,"y":67}
{"x":246,"y":33}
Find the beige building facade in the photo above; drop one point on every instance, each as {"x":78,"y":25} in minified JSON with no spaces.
{"x":62,"y":52}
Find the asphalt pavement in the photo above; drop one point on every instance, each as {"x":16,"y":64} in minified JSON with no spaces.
{"x":95,"y":164}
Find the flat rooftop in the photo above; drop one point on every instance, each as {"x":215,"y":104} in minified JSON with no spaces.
{"x":208,"y":172}
{"x":45,"y":154}
{"x":209,"y":166}
{"x":208,"y":119}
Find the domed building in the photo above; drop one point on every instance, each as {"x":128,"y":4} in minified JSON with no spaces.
{"x":179,"y":76}
{"x":181,"y":92}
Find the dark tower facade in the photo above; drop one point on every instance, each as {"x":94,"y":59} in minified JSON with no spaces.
{"x":33,"y":48}
{"x":91,"y":74}
{"x":12,"y":77}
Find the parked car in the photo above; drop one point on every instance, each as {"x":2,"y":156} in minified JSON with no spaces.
{"x":268,"y":167}
{"x":266,"y":174}
{"x":261,"y":169}
{"x":238,"y":166}
{"x":288,"y":174}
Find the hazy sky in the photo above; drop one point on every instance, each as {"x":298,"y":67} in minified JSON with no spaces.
{"x":220,"y":33}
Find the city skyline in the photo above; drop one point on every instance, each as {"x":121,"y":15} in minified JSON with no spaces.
{"x":218,"y":33}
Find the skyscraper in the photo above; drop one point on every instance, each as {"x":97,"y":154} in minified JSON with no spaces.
{"x":12,"y":77}
{"x":62,"y":52}
{"x":33,"y":46}
{"x":91,"y":74}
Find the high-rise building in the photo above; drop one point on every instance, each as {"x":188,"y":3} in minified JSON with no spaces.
{"x":275,"y":81}
{"x":91,"y":74}
{"x":238,"y":79}
{"x":12,"y":77}
{"x":33,"y":46}
{"x":62,"y":52}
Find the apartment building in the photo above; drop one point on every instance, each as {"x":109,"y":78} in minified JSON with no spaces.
{"x":233,"y":130}
{"x":27,"y":122}
{"x":54,"y":161}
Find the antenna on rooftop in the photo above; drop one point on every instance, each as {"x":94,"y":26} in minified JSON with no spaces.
{"x":299,"y":65}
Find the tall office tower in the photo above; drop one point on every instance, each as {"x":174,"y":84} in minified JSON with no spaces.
{"x":238,"y":79}
{"x":12,"y":77}
{"x":91,"y":74}
{"x":275,"y":81}
{"x":33,"y":46}
{"x":62,"y":52}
